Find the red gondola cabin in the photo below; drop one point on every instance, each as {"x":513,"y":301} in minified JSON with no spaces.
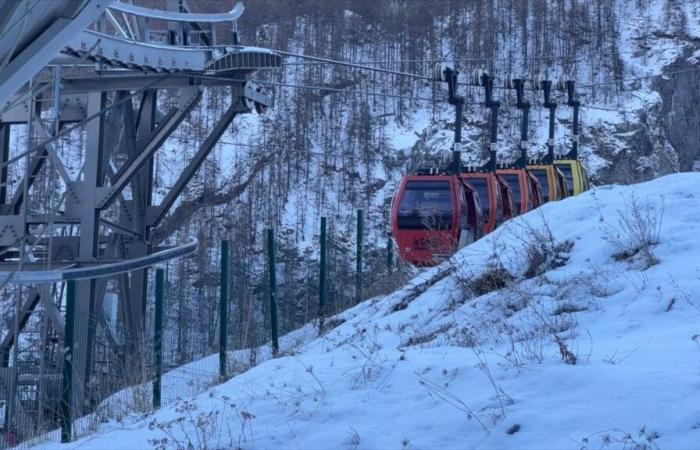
{"x":433,"y":216}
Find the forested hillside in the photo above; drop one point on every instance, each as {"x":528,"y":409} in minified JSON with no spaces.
{"x":327,"y":152}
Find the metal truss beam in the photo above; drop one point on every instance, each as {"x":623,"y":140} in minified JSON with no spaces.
{"x":71,"y":106}
{"x":45,"y":46}
{"x":35,"y":165}
{"x":154,"y":141}
{"x":132,"y":82}
{"x":25,"y":312}
{"x":197,"y":161}
{"x":51,"y":150}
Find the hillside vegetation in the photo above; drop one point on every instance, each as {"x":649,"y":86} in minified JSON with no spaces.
{"x":573,"y":326}
{"x":326,"y":153}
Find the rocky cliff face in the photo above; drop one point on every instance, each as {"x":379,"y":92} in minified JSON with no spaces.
{"x":680,"y":96}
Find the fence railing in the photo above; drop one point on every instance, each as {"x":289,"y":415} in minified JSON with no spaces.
{"x":133,"y":374}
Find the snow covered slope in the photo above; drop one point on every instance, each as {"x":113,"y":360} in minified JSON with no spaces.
{"x":574,"y":326}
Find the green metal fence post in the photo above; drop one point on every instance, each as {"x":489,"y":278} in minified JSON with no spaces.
{"x":273,"y":289}
{"x":389,"y":254}
{"x":223,"y":310}
{"x":358,"y":269}
{"x":322,"y":276}
{"x":158,"y":338}
{"x":67,"y":400}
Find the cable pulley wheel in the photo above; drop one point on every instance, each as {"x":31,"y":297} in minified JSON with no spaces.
{"x":476,"y":77}
{"x":508,"y":82}
{"x":439,"y":72}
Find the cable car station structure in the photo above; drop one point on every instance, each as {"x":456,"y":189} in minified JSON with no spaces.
{"x":98,"y":67}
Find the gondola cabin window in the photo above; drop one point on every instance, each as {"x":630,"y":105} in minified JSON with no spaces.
{"x":561,"y":179}
{"x":541,"y":175}
{"x":514,"y":183}
{"x":426,"y":205}
{"x":481,"y":187}
{"x":569,"y":176}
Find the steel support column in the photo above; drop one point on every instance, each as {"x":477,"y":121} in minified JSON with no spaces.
{"x":141,"y":188}
{"x":4,"y":156}
{"x":86,"y":301}
{"x":194,"y":164}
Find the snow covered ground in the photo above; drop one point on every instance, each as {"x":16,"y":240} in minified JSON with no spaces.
{"x":574,"y":326}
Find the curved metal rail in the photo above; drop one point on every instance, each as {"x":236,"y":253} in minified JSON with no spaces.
{"x":96,"y":271}
{"x":173,"y":16}
{"x":124,"y":53}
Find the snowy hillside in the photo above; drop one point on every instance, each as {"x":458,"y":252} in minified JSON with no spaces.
{"x":339,"y":138}
{"x":574,"y":326}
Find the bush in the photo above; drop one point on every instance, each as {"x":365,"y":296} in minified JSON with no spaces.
{"x":545,"y":255}
{"x":636,"y":232}
{"x":194,"y":429}
{"x":492,"y":279}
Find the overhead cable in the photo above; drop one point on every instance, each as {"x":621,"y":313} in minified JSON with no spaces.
{"x":647,"y":77}
{"x":350,"y":64}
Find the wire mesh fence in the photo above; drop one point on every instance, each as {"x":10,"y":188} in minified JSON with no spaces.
{"x":118,"y":387}
{"x":176,"y":354}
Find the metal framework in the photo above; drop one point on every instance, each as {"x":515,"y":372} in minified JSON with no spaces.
{"x":97,"y":231}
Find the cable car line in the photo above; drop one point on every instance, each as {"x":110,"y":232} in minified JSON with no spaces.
{"x":647,"y":77}
{"x":321,"y":88}
{"x":361,"y":65}
{"x":351,"y":64}
{"x":300,"y":152}
{"x":347,"y":91}
{"x":433,"y":61}
{"x":484,"y":59}
{"x":331,"y":89}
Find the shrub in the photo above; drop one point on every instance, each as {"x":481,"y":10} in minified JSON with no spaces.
{"x":492,"y":279}
{"x":636,"y":232}
{"x":546,"y":254}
